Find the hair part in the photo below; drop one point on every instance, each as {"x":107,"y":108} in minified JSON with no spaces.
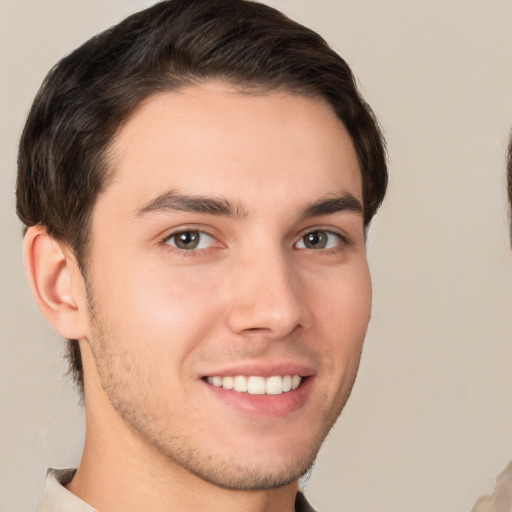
{"x":91,"y":93}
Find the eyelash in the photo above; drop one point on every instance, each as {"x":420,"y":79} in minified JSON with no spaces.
{"x":342,"y":243}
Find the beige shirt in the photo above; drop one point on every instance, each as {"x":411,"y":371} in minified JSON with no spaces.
{"x":501,"y":500}
{"x":57,"y":498}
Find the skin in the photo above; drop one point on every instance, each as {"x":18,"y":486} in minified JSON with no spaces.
{"x":154,"y":320}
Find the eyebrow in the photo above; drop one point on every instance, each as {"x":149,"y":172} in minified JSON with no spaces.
{"x":346,"y":202}
{"x":173,"y":201}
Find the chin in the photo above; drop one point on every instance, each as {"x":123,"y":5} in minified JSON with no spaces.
{"x":245,"y":477}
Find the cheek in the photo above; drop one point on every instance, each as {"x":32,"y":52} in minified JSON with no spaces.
{"x":343,"y":312}
{"x":159,"y":312}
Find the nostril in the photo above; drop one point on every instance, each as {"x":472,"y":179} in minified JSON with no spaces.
{"x":267,"y":317}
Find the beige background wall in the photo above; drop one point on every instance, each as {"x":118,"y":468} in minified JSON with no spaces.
{"x":429,"y":424}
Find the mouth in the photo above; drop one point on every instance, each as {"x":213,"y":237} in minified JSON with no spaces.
{"x":262,"y":391}
{"x":256,"y":384}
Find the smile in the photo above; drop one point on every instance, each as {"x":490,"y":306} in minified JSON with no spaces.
{"x":256,"y":385}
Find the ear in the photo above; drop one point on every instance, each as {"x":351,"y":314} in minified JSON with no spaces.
{"x":56,"y":282}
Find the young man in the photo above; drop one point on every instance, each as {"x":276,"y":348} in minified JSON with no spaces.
{"x":196,"y":184}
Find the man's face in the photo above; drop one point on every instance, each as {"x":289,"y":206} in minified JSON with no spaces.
{"x":229,"y":251}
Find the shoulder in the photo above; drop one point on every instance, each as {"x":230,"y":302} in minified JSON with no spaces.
{"x":501,"y":500}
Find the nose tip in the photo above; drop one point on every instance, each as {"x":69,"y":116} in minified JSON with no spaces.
{"x":273,"y":307}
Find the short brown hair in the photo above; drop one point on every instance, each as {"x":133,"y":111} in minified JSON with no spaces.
{"x":88,"y":95}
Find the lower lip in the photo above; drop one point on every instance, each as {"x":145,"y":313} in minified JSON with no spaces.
{"x":264,"y":405}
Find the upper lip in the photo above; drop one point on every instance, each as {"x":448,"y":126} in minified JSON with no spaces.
{"x":262,"y":370}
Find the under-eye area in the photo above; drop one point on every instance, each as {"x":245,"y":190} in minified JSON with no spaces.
{"x":257,"y":385}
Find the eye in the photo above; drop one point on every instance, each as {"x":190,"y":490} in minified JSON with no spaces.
{"x":319,"y":239}
{"x":190,"y":240}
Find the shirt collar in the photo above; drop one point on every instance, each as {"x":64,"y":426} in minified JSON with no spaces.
{"x":56,"y":498}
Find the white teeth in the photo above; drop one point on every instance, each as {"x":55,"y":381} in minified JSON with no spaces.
{"x":256,"y":385}
{"x":275,"y":385}
{"x":240,"y":384}
{"x":228,"y":383}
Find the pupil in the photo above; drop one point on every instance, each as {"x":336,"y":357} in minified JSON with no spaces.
{"x":187,"y":240}
{"x":315,"y":240}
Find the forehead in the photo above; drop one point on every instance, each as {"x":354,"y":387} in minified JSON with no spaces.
{"x":218,"y":140}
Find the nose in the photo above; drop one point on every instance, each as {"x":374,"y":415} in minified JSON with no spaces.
{"x":268,"y":298}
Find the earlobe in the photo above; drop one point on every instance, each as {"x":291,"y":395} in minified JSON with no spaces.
{"x":56,"y":282}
